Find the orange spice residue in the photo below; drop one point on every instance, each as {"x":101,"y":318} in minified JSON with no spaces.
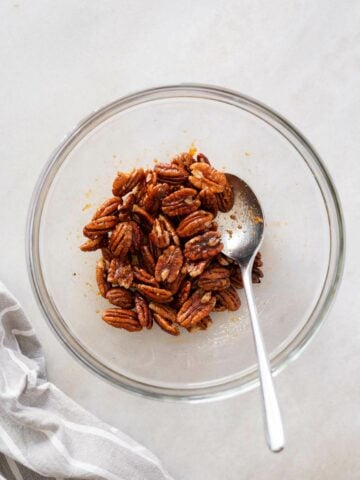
{"x":192,"y":150}
{"x":86,"y":207}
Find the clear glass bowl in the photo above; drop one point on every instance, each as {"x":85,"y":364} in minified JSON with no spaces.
{"x":303,"y":249}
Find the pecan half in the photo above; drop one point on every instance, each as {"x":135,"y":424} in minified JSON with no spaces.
{"x":142,"y":216}
{"x":183,"y":294}
{"x":202,"y":325}
{"x":224,"y":260}
{"x":143,"y":312}
{"x":236,"y":277}
{"x":106,"y":253}
{"x":154,"y":195}
{"x":122,"y":318}
{"x":137,"y":237}
{"x":225,"y":199}
{"x":215,"y":278}
{"x":194,"y":223}
{"x":164,"y":310}
{"x":184,"y":160}
{"x":209,"y":201}
{"x":125,"y":209}
{"x":171,"y":173}
{"x":100,"y":226}
{"x":169,"y":264}
{"x":194,"y":269}
{"x":120,"y":272}
{"x":257,"y":273}
{"x":144,"y":277}
{"x":229,"y":298}
{"x":195,"y":309}
{"x":159,"y":295}
{"x":102,"y":284}
{"x":203,"y":246}
{"x":181,"y":202}
{"x":109,"y":207}
{"x":174,"y":286}
{"x":200,"y":157}
{"x":205,"y":176}
{"x":166,"y":325}
{"x":125,"y":182}
{"x":147,"y":259}
{"x":121,"y":239}
{"x":159,"y":236}
{"x":93,"y":244}
{"x":120,"y":297}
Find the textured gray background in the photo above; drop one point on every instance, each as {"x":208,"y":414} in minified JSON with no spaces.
{"x":60,"y":60}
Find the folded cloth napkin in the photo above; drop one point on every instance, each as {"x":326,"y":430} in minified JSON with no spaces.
{"x":43,"y":433}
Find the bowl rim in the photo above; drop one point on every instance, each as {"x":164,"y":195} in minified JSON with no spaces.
{"x":336,"y":231}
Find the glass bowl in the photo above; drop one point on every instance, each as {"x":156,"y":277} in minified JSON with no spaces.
{"x":303,"y":250}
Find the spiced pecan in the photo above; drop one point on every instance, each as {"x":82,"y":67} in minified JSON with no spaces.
{"x":154,"y":195}
{"x":170,"y":228}
{"x":102,"y":284}
{"x":200,"y":157}
{"x":159,"y":236}
{"x":202,"y":325}
{"x":209,"y":201}
{"x":144,"y":277}
{"x":100,"y":226}
{"x":159,"y":295}
{"x":164,"y":310}
{"x":93,"y":244}
{"x":171,"y":173}
{"x":183,"y":294}
{"x":143,"y":312}
{"x":120,"y":272}
{"x":120,"y":297}
{"x":205,"y":176}
{"x":236,"y":277}
{"x":194,"y":223}
{"x":181,"y":202}
{"x":229,"y":298}
{"x":137,"y":237}
{"x":224,"y":260}
{"x":166,"y":325}
{"x":125,"y":209}
{"x":194,"y":269}
{"x":109,"y":207}
{"x":147,"y":259}
{"x":195,"y":309}
{"x":183,"y":160}
{"x":125,"y":182}
{"x":169,"y":264}
{"x":142,"y":216}
{"x":225,"y":199}
{"x":215,"y":278}
{"x":121,"y":239}
{"x":175,"y":286}
{"x":203,"y":246}
{"x":122,"y":318}
{"x":106,"y":253}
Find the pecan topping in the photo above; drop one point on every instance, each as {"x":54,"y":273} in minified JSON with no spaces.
{"x":100,"y":226}
{"x":181,"y":202}
{"x":205,"y":176}
{"x":159,"y":295}
{"x":215,"y":278}
{"x":121,"y":239}
{"x":209,"y":201}
{"x":171,"y":173}
{"x":195,"y":309}
{"x":169,"y":265}
{"x":143,"y":312}
{"x":120,"y":297}
{"x":93,"y":244}
{"x":203,"y":246}
{"x":109,"y":207}
{"x":144,"y":277}
{"x":102,"y":284}
{"x":194,"y":223}
{"x":120,"y":272}
{"x":125,"y":182}
{"x":229,"y":298}
{"x":122,"y":318}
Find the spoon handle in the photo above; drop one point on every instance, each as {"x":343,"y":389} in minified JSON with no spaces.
{"x":272,"y":417}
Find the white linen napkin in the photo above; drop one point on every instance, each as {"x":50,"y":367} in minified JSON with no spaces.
{"x":43,"y":433}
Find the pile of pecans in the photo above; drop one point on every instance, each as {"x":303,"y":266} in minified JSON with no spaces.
{"x":161,"y":249}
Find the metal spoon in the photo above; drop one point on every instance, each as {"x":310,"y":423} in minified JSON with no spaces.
{"x":242,"y":233}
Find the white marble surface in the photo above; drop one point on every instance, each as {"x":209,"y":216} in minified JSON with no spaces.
{"x":60,"y":60}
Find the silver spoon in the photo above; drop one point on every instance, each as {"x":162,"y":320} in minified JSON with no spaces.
{"x":242,"y":233}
